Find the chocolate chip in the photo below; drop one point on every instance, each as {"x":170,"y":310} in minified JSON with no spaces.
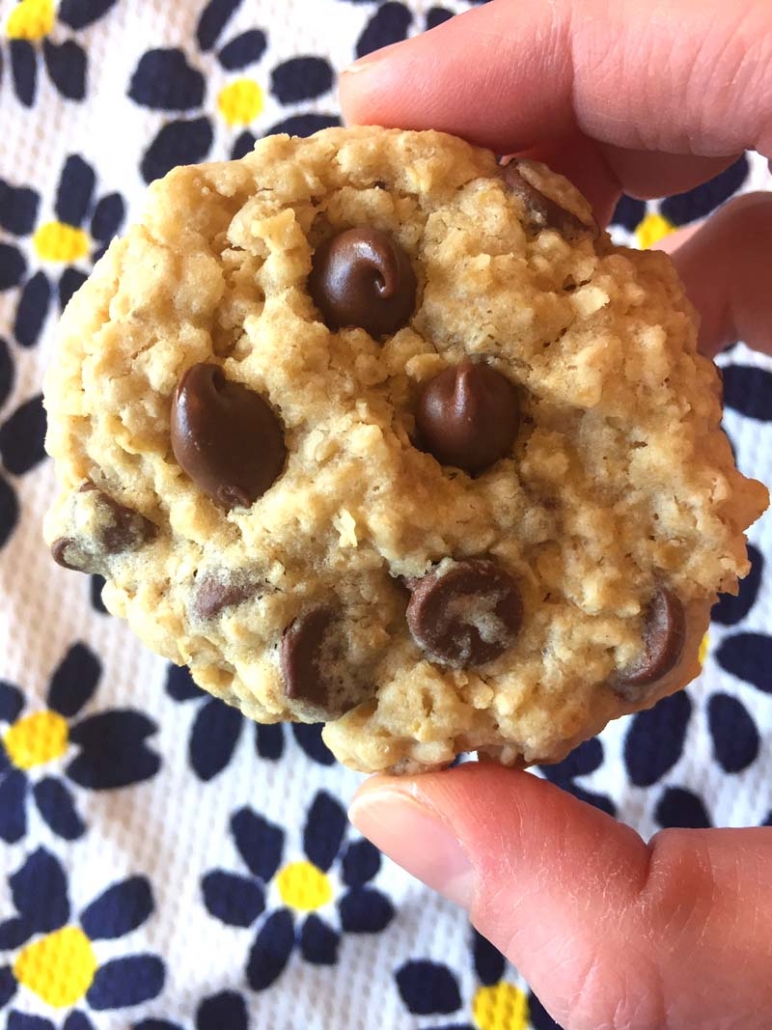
{"x":468,"y":416}
{"x":225,"y":436}
{"x":362,"y":277}
{"x":541,"y":211}
{"x":664,"y":633}
{"x":466,"y":613}
{"x":65,"y":552}
{"x":213,"y":595}
{"x":302,"y":659}
{"x":123,"y":529}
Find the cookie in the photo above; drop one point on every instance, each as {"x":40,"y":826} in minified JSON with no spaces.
{"x":369,"y":429}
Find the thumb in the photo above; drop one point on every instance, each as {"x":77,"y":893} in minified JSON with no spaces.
{"x":611,"y":933}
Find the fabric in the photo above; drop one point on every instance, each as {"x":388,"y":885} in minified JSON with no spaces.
{"x":163,"y":863}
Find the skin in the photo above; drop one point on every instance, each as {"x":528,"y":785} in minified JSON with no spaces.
{"x":613,"y":933}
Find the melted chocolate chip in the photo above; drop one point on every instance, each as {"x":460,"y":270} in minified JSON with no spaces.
{"x":225,"y":436}
{"x":465,"y":614}
{"x":305,"y":678}
{"x":65,"y":552}
{"x":212,"y":596}
{"x":118,"y":529}
{"x":362,"y":277}
{"x":468,"y":416}
{"x":541,"y":211}
{"x":664,"y":633}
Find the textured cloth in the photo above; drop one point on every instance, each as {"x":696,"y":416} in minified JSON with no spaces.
{"x":163,"y":863}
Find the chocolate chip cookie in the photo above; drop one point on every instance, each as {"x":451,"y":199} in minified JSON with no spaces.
{"x":368,"y":428}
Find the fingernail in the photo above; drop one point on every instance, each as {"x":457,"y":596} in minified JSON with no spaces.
{"x":416,"y":837}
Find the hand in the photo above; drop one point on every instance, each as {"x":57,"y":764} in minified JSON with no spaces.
{"x":648,"y":98}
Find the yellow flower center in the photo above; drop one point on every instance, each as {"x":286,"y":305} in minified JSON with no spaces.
{"x":57,"y":241}
{"x":59,"y":968}
{"x":36,"y":739}
{"x":302,"y":885}
{"x":652,"y":229}
{"x":31,"y":19}
{"x":501,"y":1007}
{"x":240,"y":102}
{"x":704,"y":648}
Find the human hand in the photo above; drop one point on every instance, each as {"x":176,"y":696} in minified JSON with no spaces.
{"x":612,"y":933}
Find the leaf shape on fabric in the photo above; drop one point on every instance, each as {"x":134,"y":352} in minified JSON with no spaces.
{"x":388,"y":25}
{"x":309,"y":737}
{"x":13,"y":266}
{"x":9,"y":511}
{"x":178,"y":143}
{"x":702,"y":200}
{"x":22,"y":437}
{"x":234,"y":900}
{"x":304,"y":124}
{"x":244,"y":50}
{"x":600,"y":801}
{"x":224,"y":1011}
{"x":113,"y":750}
{"x":437,"y":16}
{"x":57,"y":807}
{"x":32,"y":310}
{"x":365,"y":910}
{"x":428,"y":988}
{"x":108,"y":217}
{"x":259,"y":842}
{"x":538,"y":1015}
{"x":75,"y":192}
{"x":66,"y":66}
{"x":13,"y":806}
{"x":14,"y":932}
{"x":749,"y":391}
{"x":318,"y":942}
{"x":80,"y":13}
{"x":180,"y":685}
{"x":360,"y":863}
{"x":216,"y":731}
{"x":301,"y":78}
{"x":269,"y":741}
{"x":735,"y":737}
{"x":165,"y":81}
{"x":749,"y":657}
{"x":22,"y":1021}
{"x":7,"y":371}
{"x":243,"y":145}
{"x":126,"y":981}
{"x":96,"y":586}
{"x":489,"y":963}
{"x":681,"y":807}
{"x":732,"y":609}
{"x":584,"y":759}
{"x":214,"y":17}
{"x":11,"y":702}
{"x":7,"y":985}
{"x":74,"y":681}
{"x":39,"y":891}
{"x":24,"y":69}
{"x":70,"y":281}
{"x":119,"y":910}
{"x":323,"y":833}
{"x":18,"y":208}
{"x":77,"y":1021}
{"x":270,"y":953}
{"x":655,"y":739}
{"x":156,"y":1024}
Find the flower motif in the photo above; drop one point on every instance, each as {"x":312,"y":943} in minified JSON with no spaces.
{"x":217,"y":729}
{"x":65,"y":248}
{"x":430,"y":988}
{"x":111,"y":749}
{"x":37,"y":31}
{"x":57,"y":958}
{"x":171,"y":80}
{"x":307,"y":888}
{"x":582,"y":761}
{"x":224,"y":1011}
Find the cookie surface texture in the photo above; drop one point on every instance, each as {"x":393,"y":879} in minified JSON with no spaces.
{"x":255,"y":407}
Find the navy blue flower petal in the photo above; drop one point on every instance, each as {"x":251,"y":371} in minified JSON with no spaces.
{"x":9,"y":511}
{"x":489,"y":963}
{"x":178,"y":143}
{"x":7,"y":985}
{"x":436,"y":16}
{"x":216,"y":731}
{"x":5,"y":761}
{"x":18,"y":208}
{"x":113,"y":750}
{"x":11,"y":702}
{"x":655,"y":740}
{"x":319,"y":942}
{"x":234,"y":900}
{"x":164,"y":81}
{"x":702,"y":200}
{"x":301,"y":78}
{"x":13,"y":806}
{"x":224,"y":1011}
{"x":735,"y":737}
{"x":324,"y":830}
{"x":108,"y":217}
{"x":74,"y":681}
{"x":270,"y":953}
{"x":118,"y":910}
{"x":243,"y":144}
{"x":66,"y":66}
{"x":80,"y":13}
{"x":768,"y":820}
{"x":180,"y":685}
{"x":428,"y":988}
{"x":14,"y":932}
{"x":680,"y":807}
{"x":22,"y":437}
{"x":629,"y":213}
{"x":360,"y":863}
{"x":20,"y":1021}
{"x":388,"y":25}
{"x":365,"y":910}
{"x":156,"y":1024}
{"x":269,"y":741}
{"x":57,"y":807}
{"x":730,"y":610}
{"x":39,"y":891}
{"x":582,"y":760}
{"x":7,"y":372}
{"x":24,"y":69}
{"x":538,"y":1015}
{"x":749,"y":657}
{"x":77,"y":1021}
{"x":749,"y":391}
{"x":243,"y":50}
{"x":96,"y":586}
{"x":304,"y":124}
{"x":13,"y":266}
{"x":33,"y":308}
{"x":126,"y":981}
{"x":600,"y":801}
{"x":259,"y":842}
{"x":70,"y":281}
{"x":75,"y":192}
{"x":214,"y":17}
{"x":309,"y":737}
